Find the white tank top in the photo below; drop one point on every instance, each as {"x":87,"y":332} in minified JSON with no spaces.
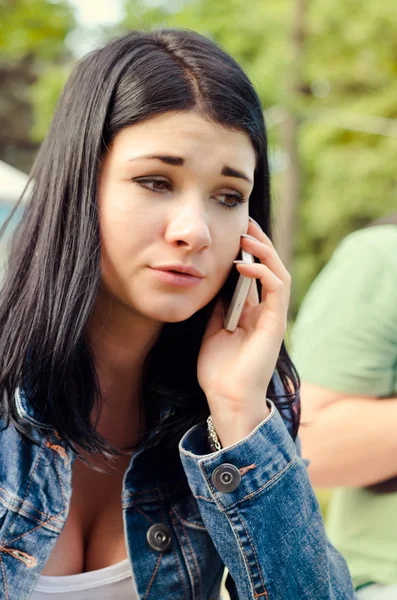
{"x":111,"y":583}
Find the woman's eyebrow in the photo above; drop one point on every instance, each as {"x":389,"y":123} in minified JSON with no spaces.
{"x":178,"y":161}
{"x":230,"y":172}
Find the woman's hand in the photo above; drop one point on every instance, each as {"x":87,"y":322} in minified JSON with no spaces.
{"x":234,"y":369}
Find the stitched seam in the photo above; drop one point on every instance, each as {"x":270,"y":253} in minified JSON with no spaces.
{"x":33,"y":472}
{"x":128,"y":504}
{"x":60,"y":483}
{"x":183,"y":548}
{"x":279,"y":474}
{"x":4,"y":578}
{"x":60,"y":450}
{"x":237,"y":538}
{"x":132,"y":500}
{"x":179,"y":569}
{"x":194,"y":561}
{"x":145,"y":515}
{"x":23,"y":558}
{"x":206,"y":499}
{"x":247,"y":563}
{"x":188,"y":523}
{"x":22,"y":512}
{"x":245,"y":470}
{"x":26,"y":493}
{"x":252,"y":494}
{"x":253,"y":550}
{"x":32,"y":530}
{"x":164,"y":511}
{"x":183,"y":579}
{"x":153,"y":576}
{"x":157,"y":489}
{"x":23,"y":413}
{"x":18,"y":500}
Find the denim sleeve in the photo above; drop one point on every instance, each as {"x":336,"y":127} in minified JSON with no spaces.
{"x":269,"y":530}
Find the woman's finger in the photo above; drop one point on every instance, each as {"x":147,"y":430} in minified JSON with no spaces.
{"x":269,"y":280}
{"x":274,"y":291}
{"x":257,"y":232}
{"x":268,"y":256}
{"x":253,"y":296}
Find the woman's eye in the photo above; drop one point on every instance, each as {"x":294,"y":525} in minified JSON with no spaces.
{"x":159,"y":185}
{"x":230,"y":200}
{"x":155,"y":185}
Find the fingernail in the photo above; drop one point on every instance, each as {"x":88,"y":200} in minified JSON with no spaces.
{"x":256,"y":223}
{"x":250,"y":237}
{"x":241,"y":262}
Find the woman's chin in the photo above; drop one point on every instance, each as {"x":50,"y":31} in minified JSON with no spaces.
{"x":172,"y":313}
{"x":174,"y":316}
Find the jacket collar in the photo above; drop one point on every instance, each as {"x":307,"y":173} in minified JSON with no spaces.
{"x":27,"y":411}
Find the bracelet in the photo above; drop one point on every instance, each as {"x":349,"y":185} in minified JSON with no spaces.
{"x":212,"y":436}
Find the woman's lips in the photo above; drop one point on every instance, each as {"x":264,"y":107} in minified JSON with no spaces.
{"x":175,"y":278}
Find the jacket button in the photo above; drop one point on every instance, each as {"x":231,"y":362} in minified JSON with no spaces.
{"x":226,"y":478}
{"x":159,"y":537}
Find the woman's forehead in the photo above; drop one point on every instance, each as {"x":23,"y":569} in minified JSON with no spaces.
{"x":185,"y":135}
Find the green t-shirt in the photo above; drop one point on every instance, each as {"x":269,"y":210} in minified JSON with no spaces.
{"x":345,"y":339}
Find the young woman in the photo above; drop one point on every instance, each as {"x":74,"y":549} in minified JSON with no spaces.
{"x":113,"y":351}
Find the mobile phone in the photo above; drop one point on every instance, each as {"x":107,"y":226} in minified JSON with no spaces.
{"x":239,"y":296}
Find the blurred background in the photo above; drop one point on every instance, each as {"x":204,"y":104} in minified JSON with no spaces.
{"x":325,"y":71}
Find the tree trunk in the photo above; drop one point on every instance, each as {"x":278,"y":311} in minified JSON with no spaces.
{"x":287,"y":217}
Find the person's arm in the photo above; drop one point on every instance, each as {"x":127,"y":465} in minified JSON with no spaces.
{"x":349,"y":440}
{"x":267,"y":526}
{"x":345,"y":349}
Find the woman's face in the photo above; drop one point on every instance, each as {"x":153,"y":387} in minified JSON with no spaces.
{"x":173,"y":202}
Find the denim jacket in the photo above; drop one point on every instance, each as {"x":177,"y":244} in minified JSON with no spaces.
{"x":249,"y":507}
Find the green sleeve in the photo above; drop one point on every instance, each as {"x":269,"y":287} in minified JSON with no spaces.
{"x":345,"y":336}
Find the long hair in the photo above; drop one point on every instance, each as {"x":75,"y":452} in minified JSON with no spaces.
{"x":54,"y":269}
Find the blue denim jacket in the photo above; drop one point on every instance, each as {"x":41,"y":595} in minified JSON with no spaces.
{"x":249,"y":507}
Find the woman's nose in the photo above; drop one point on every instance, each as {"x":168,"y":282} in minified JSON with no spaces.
{"x":188,"y":226}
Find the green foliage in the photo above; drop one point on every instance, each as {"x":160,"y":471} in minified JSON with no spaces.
{"x":44,"y":94}
{"x":252,"y":34}
{"x":349,"y":176}
{"x":34,"y":27}
{"x":32,"y":46}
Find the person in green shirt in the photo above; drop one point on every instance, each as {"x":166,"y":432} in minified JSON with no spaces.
{"x":344,"y":345}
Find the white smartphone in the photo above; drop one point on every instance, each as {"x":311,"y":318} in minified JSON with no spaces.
{"x":239,"y":296}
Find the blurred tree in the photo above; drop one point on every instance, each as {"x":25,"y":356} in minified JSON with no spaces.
{"x":287,"y":217}
{"x":350,"y":175}
{"x":32,"y":35}
{"x":255,"y":33}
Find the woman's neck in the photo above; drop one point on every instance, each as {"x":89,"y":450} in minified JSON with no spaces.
{"x":120,"y":342}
